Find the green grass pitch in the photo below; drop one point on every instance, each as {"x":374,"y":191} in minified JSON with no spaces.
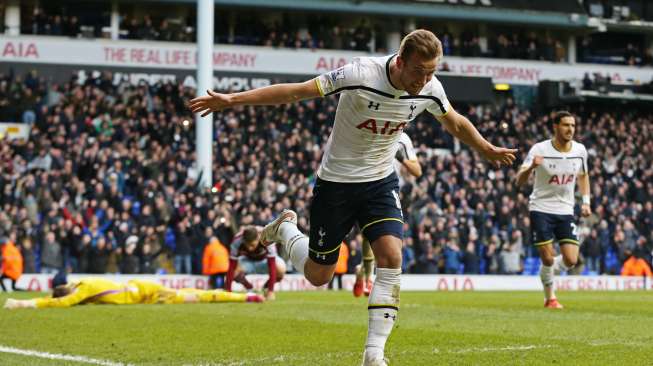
{"x":329,"y":328}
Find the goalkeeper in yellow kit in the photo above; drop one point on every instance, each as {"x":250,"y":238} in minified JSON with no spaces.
{"x":101,"y":291}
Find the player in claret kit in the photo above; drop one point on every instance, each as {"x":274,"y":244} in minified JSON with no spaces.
{"x":356,"y":182}
{"x":246,"y":256}
{"x":558,"y":163}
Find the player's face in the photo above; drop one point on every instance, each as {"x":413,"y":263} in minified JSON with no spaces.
{"x":415,"y":72}
{"x":250,"y":245}
{"x":565,"y":129}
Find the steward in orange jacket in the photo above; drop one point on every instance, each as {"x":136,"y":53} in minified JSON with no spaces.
{"x":215,"y":262}
{"x":12,"y":263}
{"x":635,"y":266}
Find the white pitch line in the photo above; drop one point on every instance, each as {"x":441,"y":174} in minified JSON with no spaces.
{"x":58,"y":356}
{"x":499,"y":349}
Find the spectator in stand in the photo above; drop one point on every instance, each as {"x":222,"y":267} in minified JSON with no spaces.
{"x":51,"y":256}
{"x":592,"y":252}
{"x":471,"y":261}
{"x":27,"y":252}
{"x":182,"y":248}
{"x":129,"y":261}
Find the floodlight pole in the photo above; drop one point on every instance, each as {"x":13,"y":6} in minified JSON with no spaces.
{"x":204,"y":125}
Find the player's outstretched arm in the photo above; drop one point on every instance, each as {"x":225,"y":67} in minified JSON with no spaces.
{"x":19,"y":304}
{"x":464,"y":130}
{"x":269,"y":95}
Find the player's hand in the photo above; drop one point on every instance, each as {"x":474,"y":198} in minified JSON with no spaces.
{"x":269,"y":295}
{"x":500,"y":156}
{"x":210,"y":103}
{"x":13,"y":304}
{"x":537,"y":161}
{"x":585,"y":210}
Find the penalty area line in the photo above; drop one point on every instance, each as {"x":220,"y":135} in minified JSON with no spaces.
{"x":58,"y":356}
{"x":500,"y":349}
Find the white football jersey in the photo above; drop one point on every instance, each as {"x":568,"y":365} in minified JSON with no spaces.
{"x":555,"y":179}
{"x":406,"y":145}
{"x":370,"y":117}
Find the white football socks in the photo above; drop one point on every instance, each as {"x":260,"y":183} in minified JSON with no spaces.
{"x":383,"y":306}
{"x":295,"y":243}
{"x":546,"y":275}
{"x":559,"y":264}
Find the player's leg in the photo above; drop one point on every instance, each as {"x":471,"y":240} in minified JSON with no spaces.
{"x":368,"y":267}
{"x":191,"y":296}
{"x":244,"y":267}
{"x":383,"y":303}
{"x":364,"y":271}
{"x":281,"y":268}
{"x":382,"y":223}
{"x":2,"y":283}
{"x":261,"y":267}
{"x":333,"y":209}
{"x":542,"y":238}
{"x":566,"y":232}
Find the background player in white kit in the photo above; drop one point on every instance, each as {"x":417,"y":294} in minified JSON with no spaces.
{"x":356,"y":181}
{"x":404,"y":157}
{"x":557,"y":164}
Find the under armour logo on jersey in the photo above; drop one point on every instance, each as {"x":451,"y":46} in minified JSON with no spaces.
{"x":412,"y":110}
{"x":375,"y":106}
{"x":388,"y":316}
{"x":321,"y":233}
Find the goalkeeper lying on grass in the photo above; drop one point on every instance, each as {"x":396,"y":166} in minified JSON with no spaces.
{"x":101,"y":291}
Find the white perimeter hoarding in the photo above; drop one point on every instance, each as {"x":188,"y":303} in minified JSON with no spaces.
{"x":182,"y":56}
{"x":294,"y":282}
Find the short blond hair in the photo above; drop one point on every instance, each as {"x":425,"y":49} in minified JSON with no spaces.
{"x":421,"y":42}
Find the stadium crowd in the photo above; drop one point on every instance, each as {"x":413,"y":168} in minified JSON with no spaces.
{"x":106,"y":182}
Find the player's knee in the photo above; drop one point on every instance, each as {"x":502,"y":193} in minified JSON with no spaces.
{"x":392,"y":260}
{"x":547,"y":261}
{"x":318,"y":280}
{"x":570,"y":262}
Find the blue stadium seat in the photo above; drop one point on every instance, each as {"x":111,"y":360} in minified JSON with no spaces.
{"x":170,"y":239}
{"x":531,"y":266}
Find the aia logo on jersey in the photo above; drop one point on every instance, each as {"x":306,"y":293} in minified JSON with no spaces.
{"x":381,"y":129}
{"x":562,"y":179}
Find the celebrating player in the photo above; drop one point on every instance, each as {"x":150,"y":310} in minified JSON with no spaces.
{"x":102,"y":291}
{"x":557,"y":164}
{"x":248,"y":257}
{"x":356,"y":182}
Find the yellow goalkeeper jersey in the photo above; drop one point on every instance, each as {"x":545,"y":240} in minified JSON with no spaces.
{"x":101,"y":291}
